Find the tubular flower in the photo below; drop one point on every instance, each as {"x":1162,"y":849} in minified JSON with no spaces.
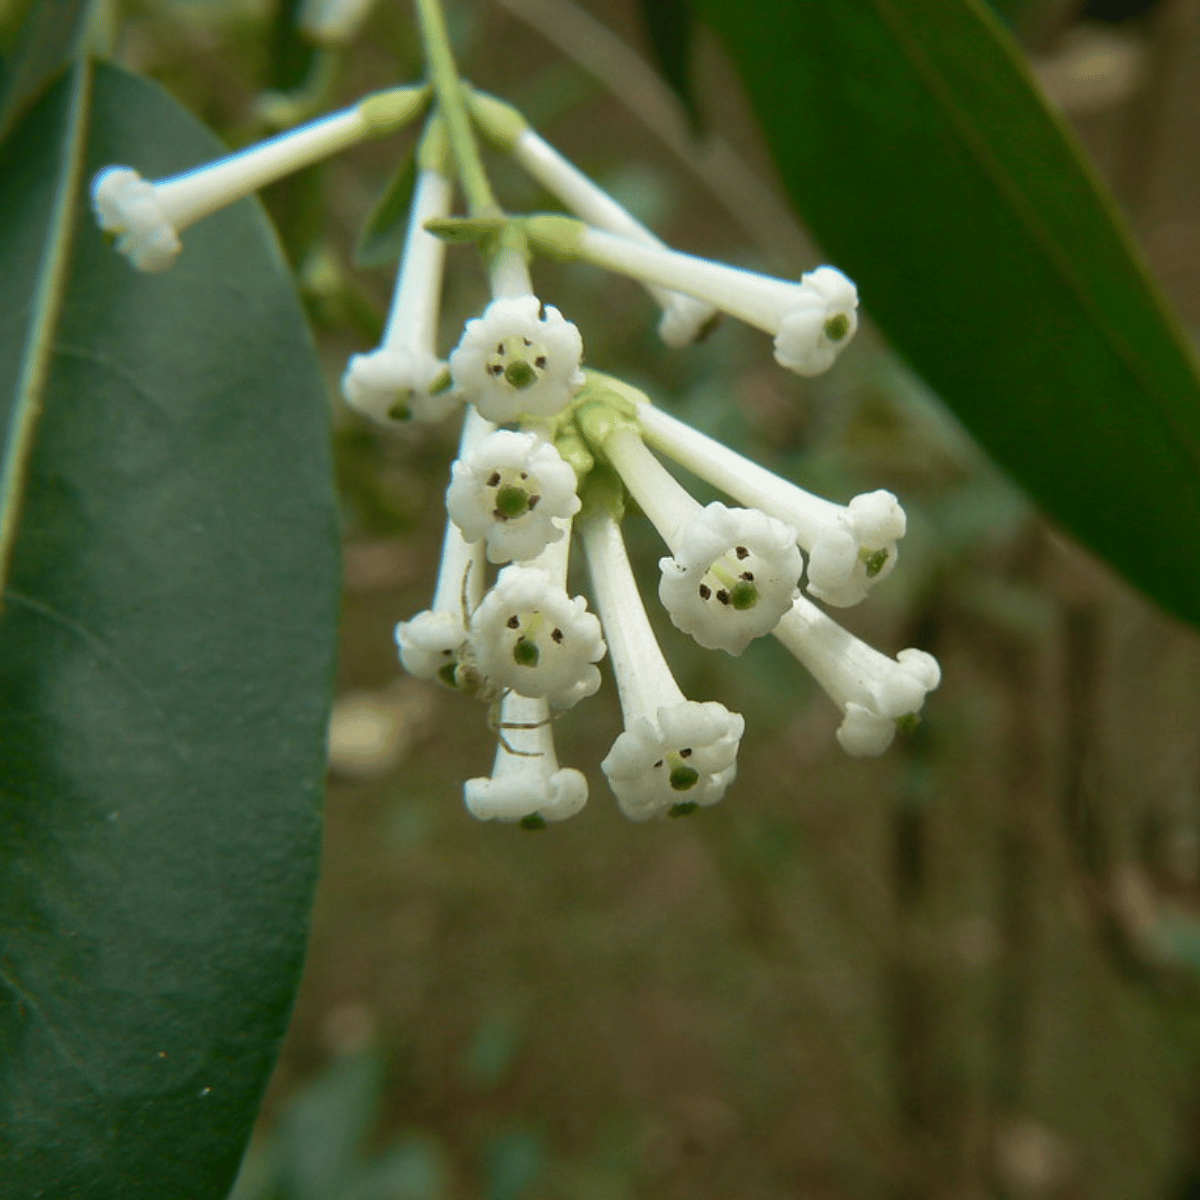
{"x":530,"y":636}
{"x":733,"y":572}
{"x":511,"y":362}
{"x":875,"y":693}
{"x":684,"y":318}
{"x":674,"y":754}
{"x":526,"y":783}
{"x":812,"y":321}
{"x":510,"y":491}
{"x":850,"y":547}
{"x":732,"y":577}
{"x":404,"y":378}
{"x":147,"y":217}
{"x":433,"y":643}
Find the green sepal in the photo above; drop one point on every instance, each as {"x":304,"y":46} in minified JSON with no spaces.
{"x":385,"y":112}
{"x":498,"y":121}
{"x":554,"y":235}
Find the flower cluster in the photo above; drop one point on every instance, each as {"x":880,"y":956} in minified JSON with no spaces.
{"x":549,"y":450}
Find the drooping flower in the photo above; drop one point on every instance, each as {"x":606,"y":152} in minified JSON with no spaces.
{"x":732,"y":573}
{"x":510,"y":362}
{"x":433,"y":643}
{"x":876,"y":694}
{"x":674,"y":754}
{"x":732,"y":577}
{"x":147,"y":217}
{"x":510,"y":491}
{"x":812,"y":321}
{"x":526,"y":780}
{"x":850,"y":547}
{"x":529,"y":635}
{"x":404,"y":378}
{"x":684,"y":318}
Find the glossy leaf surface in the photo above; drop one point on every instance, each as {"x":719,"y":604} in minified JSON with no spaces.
{"x":166,"y":651}
{"x":918,"y":151}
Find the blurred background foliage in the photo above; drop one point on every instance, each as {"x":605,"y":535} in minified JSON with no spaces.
{"x":969,"y":969}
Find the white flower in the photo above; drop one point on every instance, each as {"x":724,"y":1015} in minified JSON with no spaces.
{"x":856,"y":548}
{"x":874,"y":692}
{"x":148,"y":217}
{"x":510,"y":362}
{"x":333,"y":22}
{"x":404,"y":378}
{"x":430,"y":644}
{"x":530,"y":636}
{"x":814,"y":332}
{"x":130,"y":206}
{"x":812,"y":321}
{"x":399,"y":384}
{"x":435,"y":642}
{"x":850,"y":547}
{"x":732,"y":578}
{"x":674,"y":754}
{"x":685,"y":755}
{"x":526,"y":781}
{"x":509,"y":491}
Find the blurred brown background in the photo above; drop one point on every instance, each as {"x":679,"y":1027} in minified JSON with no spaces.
{"x":968,"y":969}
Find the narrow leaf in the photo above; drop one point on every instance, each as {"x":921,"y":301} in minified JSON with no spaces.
{"x":166,"y":649}
{"x":916,"y":146}
{"x":48,"y":41}
{"x":382,"y":238}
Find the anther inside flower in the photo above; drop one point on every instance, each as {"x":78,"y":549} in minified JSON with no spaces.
{"x":856,"y":549}
{"x":530,"y":636}
{"x":687,"y":756}
{"x":430,"y":645}
{"x":511,"y":362}
{"x":509,"y":490}
{"x":820,"y":324}
{"x":390,"y":385}
{"x":733,"y":577}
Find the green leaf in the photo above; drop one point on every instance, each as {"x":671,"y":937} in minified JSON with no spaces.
{"x":670,"y":28}
{"x":166,"y":651}
{"x":916,"y":147}
{"x":49,"y":40}
{"x":382,"y":239}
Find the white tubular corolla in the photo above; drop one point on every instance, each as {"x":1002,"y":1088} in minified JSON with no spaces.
{"x":812,"y":321}
{"x":850,"y":547}
{"x":147,"y":217}
{"x":684,"y":318}
{"x":431,"y":644}
{"x":874,"y":692}
{"x":512,"y":491}
{"x":674,"y":754}
{"x":404,"y":378}
{"x":529,"y":636}
{"x":732,"y":573}
{"x":526,"y":780}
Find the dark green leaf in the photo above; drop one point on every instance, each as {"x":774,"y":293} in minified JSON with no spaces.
{"x":915,"y":146}
{"x":49,"y":39}
{"x":382,"y":239}
{"x":166,"y":650}
{"x":670,"y":28}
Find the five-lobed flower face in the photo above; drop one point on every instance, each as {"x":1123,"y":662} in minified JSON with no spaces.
{"x":511,"y":363}
{"x":683,"y":759}
{"x":512,"y":491}
{"x":530,"y":636}
{"x":430,"y":645}
{"x":887,"y":701}
{"x":734,"y":576}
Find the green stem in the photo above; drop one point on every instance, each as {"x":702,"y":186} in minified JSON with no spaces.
{"x":449,"y":91}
